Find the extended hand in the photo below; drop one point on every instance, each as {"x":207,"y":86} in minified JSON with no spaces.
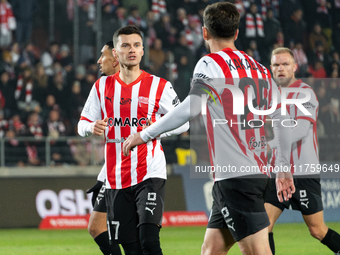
{"x":284,"y":186}
{"x":131,"y":142}
{"x":99,"y":126}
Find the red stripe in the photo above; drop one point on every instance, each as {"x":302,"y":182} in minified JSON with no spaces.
{"x":210,"y":137}
{"x":84,"y":118}
{"x":110,"y":147}
{"x":306,"y":118}
{"x":299,"y":143}
{"x":98,"y":94}
{"x":159,"y":93}
{"x":142,"y":112}
{"x":125,"y":131}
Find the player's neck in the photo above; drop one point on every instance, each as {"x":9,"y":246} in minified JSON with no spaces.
{"x":218,"y":45}
{"x":129,"y":74}
{"x":292,"y":81}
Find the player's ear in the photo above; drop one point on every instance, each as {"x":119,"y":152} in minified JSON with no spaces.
{"x":205,"y":33}
{"x":295,"y":67}
{"x":114,"y":53}
{"x":236,"y":34}
{"x":115,"y":62}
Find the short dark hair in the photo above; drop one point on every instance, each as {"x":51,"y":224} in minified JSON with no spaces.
{"x":109,"y":45}
{"x":127,"y":30}
{"x":221,"y":19}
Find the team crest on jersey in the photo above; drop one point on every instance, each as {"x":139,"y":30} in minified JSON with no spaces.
{"x":124,"y":101}
{"x":143,"y":100}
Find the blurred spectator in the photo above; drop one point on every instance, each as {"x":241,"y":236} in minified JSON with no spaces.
{"x":24,"y":96}
{"x":166,"y":32}
{"x":110,"y":22}
{"x":7,"y":87}
{"x":158,"y":7}
{"x":193,"y":34}
{"x":271,"y":27}
{"x":157,"y":59}
{"x":121,"y":13}
{"x":76,"y":101}
{"x":23,"y":12}
{"x":55,"y":128}
{"x":335,"y":11}
{"x":182,"y":49}
{"x":301,"y":61}
{"x":317,"y":70}
{"x":151,"y":33}
{"x":7,"y":23}
{"x":142,"y":6}
{"x":86,"y":35}
{"x":15,"y":53}
{"x":317,"y":36}
{"x":49,"y":56}
{"x":3,"y":124}
{"x":29,"y":56}
{"x":49,"y":106}
{"x":135,"y":19}
{"x":256,"y":53}
{"x":182,"y":84}
{"x":294,"y":29}
{"x":333,"y":65}
{"x":40,"y":84}
{"x":7,"y":65}
{"x":322,"y":13}
{"x":18,"y":126}
{"x":15,"y":153}
{"x":34,"y":148}
{"x":181,"y":21}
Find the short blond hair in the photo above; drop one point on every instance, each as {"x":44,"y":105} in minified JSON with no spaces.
{"x":281,"y":50}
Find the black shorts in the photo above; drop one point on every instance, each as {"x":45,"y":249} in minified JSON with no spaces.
{"x":306,"y":199}
{"x":239,"y":205}
{"x":100,"y":205}
{"x":128,"y":208}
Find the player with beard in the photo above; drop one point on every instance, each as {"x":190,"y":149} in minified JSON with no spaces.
{"x":108,"y":65}
{"x":118,"y":106}
{"x":238,"y":214}
{"x":304,"y":154}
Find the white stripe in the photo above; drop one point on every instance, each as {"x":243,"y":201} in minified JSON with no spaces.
{"x":116,"y":112}
{"x":101,"y":91}
{"x":151,"y":107}
{"x":133,"y":113}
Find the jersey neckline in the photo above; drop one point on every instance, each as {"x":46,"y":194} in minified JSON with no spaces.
{"x":140,"y":77}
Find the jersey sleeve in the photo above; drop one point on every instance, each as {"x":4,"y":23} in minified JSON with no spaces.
{"x":311,"y":106}
{"x":205,"y":79}
{"x":169,"y":99}
{"x":92,"y":109}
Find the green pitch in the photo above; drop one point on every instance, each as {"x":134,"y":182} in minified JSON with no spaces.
{"x":290,"y":239}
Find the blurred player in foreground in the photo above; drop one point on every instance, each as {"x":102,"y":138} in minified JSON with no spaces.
{"x":238,"y":213}
{"x":118,"y":106}
{"x":304,"y":154}
{"x":97,"y":227}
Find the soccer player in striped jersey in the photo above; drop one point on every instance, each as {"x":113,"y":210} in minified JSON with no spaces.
{"x":118,"y":106}
{"x":238,"y":214}
{"x":304,"y":154}
{"x":108,"y":65}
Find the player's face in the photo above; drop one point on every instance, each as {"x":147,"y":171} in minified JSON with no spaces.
{"x":106,"y":61}
{"x":283,"y":67}
{"x":129,"y":50}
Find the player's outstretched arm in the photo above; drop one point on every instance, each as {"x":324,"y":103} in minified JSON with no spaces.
{"x":170,"y":121}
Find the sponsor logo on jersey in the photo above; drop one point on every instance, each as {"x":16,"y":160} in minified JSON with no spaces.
{"x":124,"y":101}
{"x":253,"y":144}
{"x":109,"y":98}
{"x":175,"y":102}
{"x":131,"y":122}
{"x":143,"y":100}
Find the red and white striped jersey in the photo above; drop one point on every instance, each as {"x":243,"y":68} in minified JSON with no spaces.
{"x":127,"y":107}
{"x":236,"y":145}
{"x":305,"y":153}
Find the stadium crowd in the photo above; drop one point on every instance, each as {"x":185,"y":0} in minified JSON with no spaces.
{"x":42,"y":92}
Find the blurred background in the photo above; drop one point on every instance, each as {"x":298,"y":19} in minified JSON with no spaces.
{"x":48,"y":64}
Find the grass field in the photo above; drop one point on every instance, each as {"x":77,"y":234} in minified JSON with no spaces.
{"x":290,"y":239}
